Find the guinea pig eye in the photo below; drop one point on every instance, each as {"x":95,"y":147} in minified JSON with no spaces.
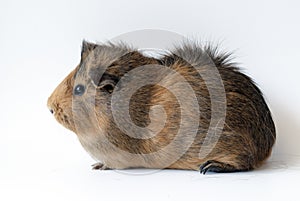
{"x":79,"y":90}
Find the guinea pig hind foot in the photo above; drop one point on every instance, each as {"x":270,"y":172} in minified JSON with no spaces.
{"x":215,"y":166}
{"x":100,"y":166}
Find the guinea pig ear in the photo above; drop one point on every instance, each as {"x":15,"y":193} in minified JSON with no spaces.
{"x":86,"y":48}
{"x":107,"y":85}
{"x":102,"y":80}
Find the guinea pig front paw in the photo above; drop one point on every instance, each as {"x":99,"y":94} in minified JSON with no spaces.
{"x":216,"y":166}
{"x":100,"y":166}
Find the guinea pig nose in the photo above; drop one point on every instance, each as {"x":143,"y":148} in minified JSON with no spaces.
{"x":51,"y":111}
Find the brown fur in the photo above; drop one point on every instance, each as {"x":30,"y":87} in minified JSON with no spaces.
{"x":247,"y":137}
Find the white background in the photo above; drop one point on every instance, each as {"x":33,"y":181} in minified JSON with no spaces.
{"x":40,"y":44}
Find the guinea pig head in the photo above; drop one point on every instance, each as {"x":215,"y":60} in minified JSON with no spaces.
{"x":81,"y":102}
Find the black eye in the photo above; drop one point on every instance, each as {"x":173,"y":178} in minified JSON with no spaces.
{"x":79,"y":90}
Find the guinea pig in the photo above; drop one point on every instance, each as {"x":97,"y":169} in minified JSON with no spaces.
{"x":190,"y":108}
